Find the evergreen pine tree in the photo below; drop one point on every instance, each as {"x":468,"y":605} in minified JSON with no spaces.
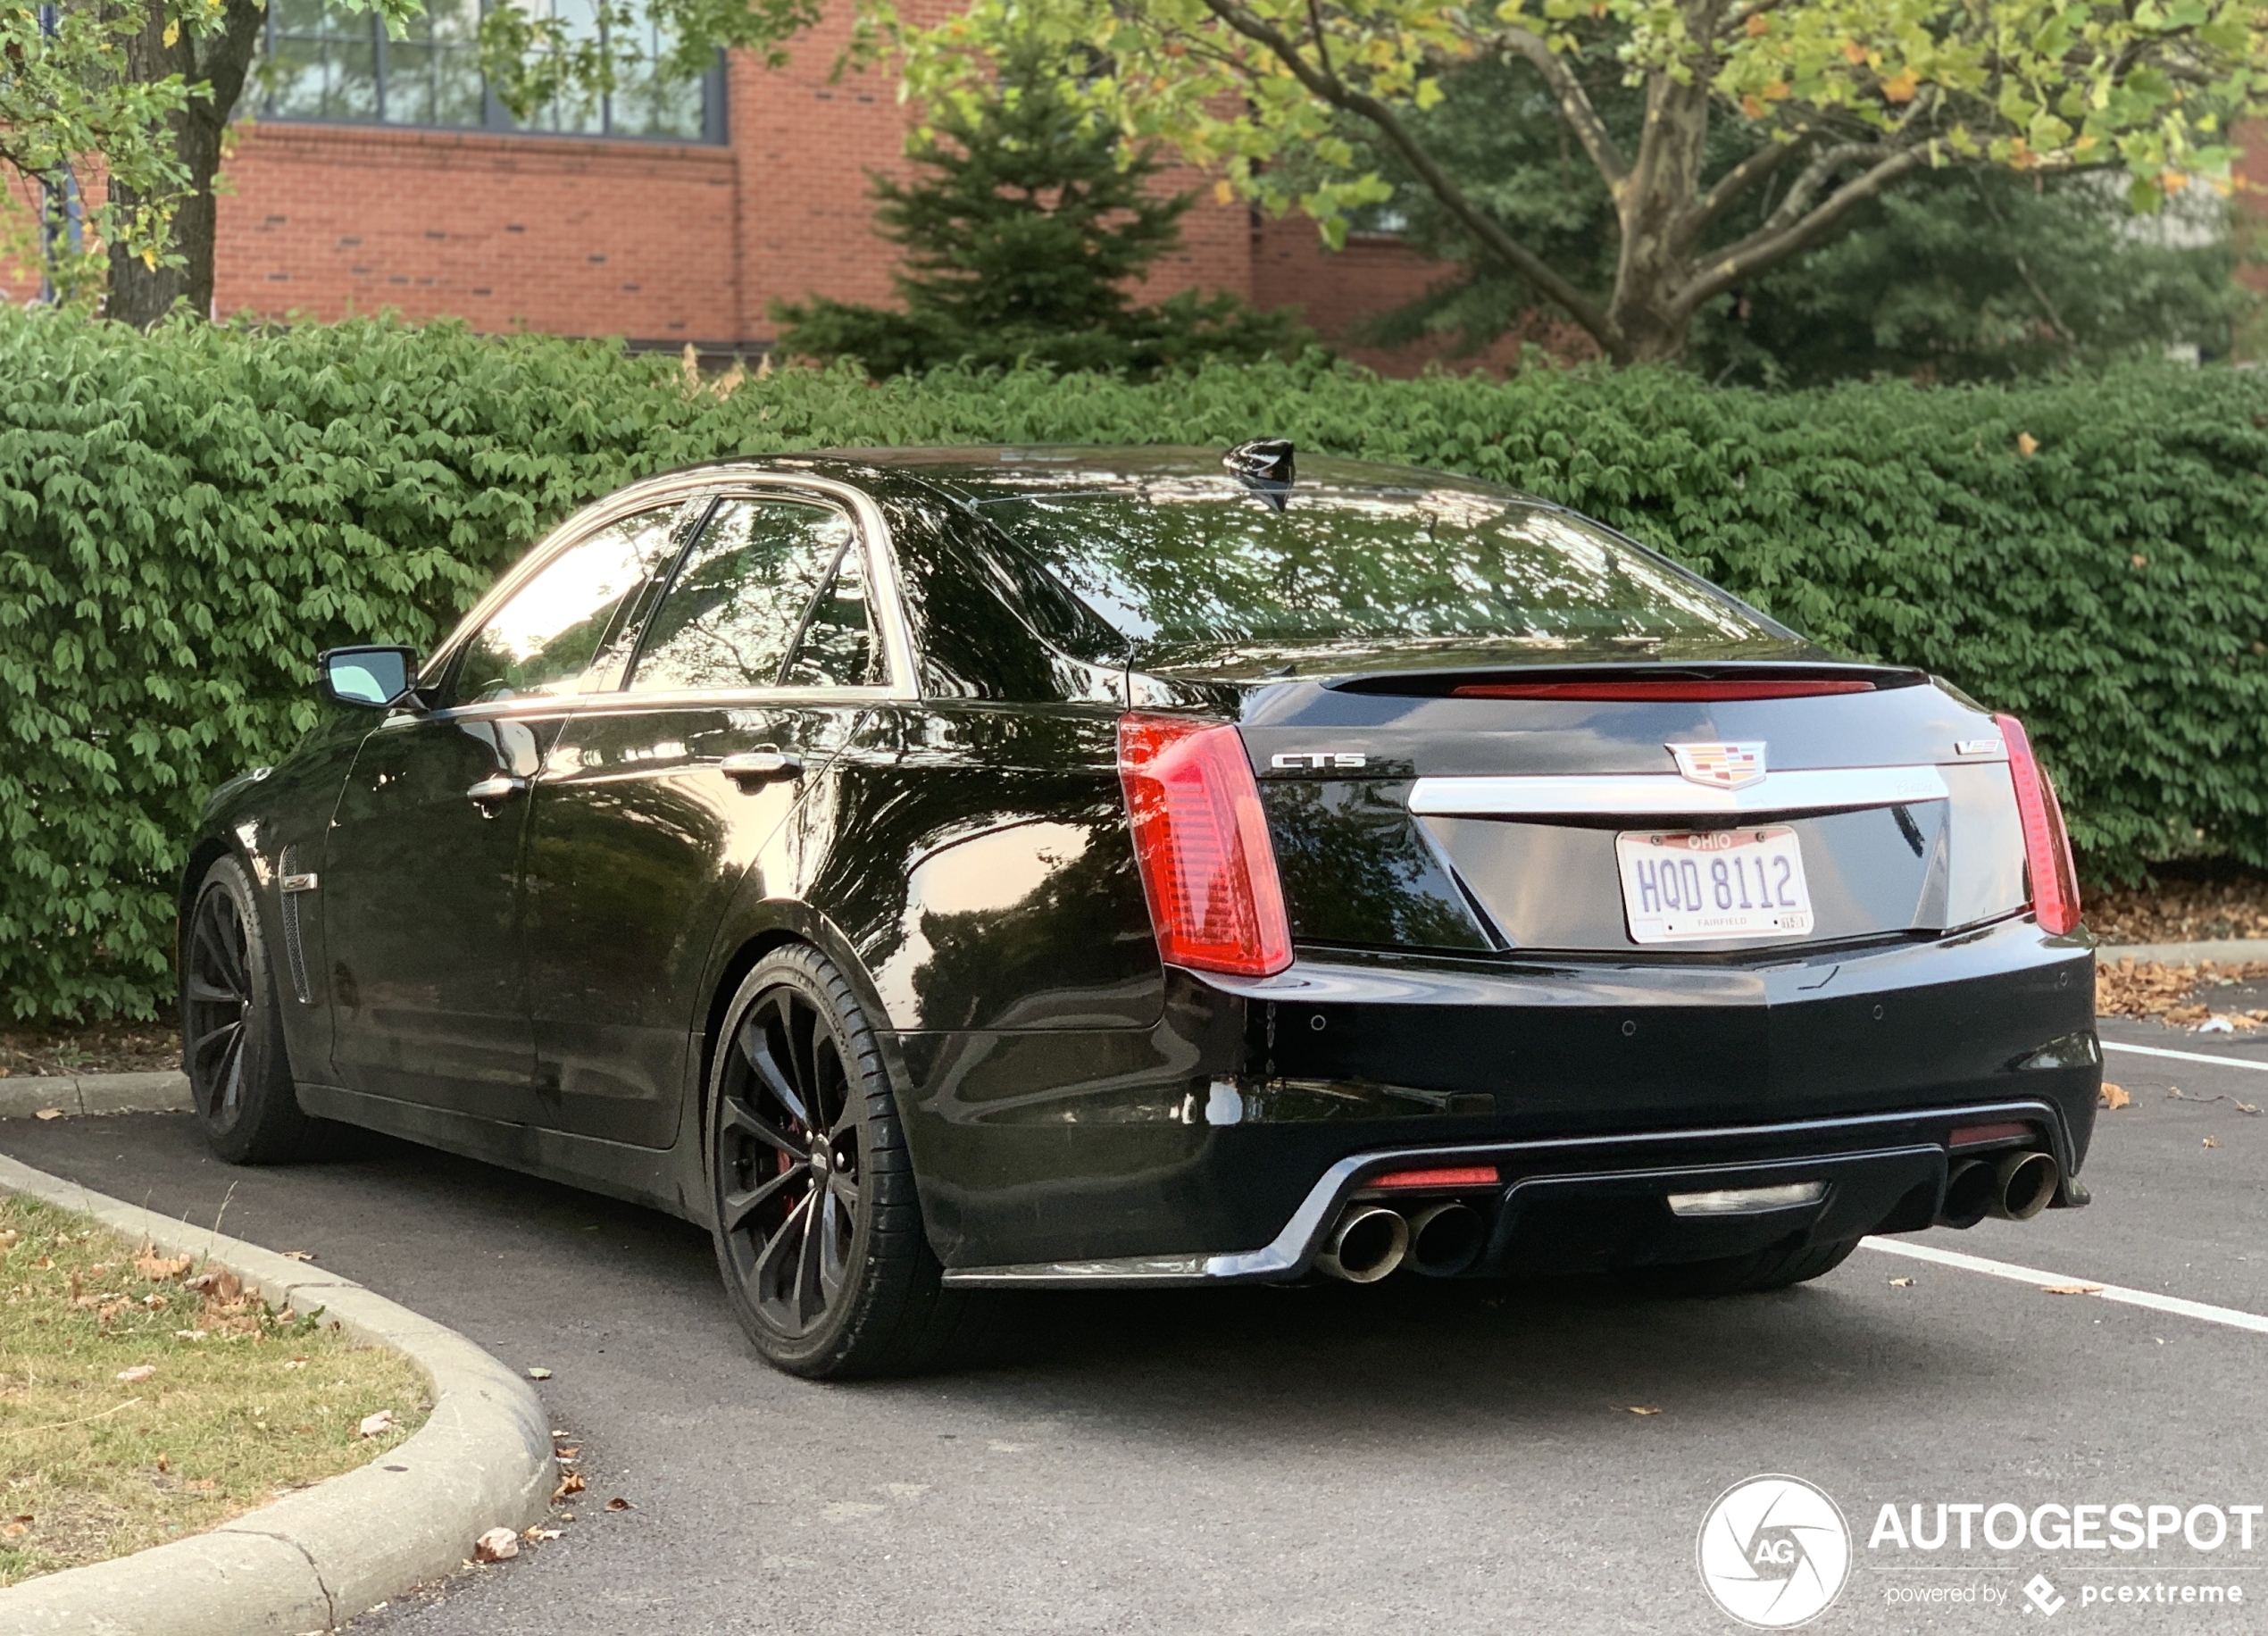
{"x":1021,"y":233}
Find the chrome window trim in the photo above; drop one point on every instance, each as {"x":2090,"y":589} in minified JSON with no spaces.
{"x":680,"y":489}
{"x":1666,"y":795}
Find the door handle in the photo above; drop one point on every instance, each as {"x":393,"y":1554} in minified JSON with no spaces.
{"x":761,"y":766}
{"x":489,"y":792}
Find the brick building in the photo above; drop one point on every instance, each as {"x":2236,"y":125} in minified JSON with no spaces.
{"x":372,"y":173}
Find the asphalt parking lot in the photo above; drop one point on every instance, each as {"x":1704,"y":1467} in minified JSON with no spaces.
{"x":1334,"y":1459}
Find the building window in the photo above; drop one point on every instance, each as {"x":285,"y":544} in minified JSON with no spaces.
{"x":322,"y":62}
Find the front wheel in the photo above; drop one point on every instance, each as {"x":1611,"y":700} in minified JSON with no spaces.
{"x":818,"y":1230}
{"x":232,"y":1038}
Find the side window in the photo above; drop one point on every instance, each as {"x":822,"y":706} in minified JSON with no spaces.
{"x":772,"y":594}
{"x":571,"y":618}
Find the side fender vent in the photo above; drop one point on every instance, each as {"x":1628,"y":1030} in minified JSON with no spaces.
{"x":294,"y":947}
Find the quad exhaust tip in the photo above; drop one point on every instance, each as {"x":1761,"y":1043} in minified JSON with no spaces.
{"x":1440,"y":1240}
{"x":1368,"y":1243}
{"x":1445,"y":1238}
{"x":2015,"y":1186}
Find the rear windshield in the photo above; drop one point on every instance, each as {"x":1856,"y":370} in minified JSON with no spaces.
{"x":1203,"y":562}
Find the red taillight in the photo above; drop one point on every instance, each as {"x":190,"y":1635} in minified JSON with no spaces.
{"x":1668,"y":692}
{"x":2047,"y":850}
{"x":1451,"y":1176}
{"x":1202,"y":841}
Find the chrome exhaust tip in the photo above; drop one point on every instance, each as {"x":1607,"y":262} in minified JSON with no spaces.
{"x":1368,"y":1243}
{"x":2023,"y":1185}
{"x":1970,"y":1191}
{"x":1445,"y":1238}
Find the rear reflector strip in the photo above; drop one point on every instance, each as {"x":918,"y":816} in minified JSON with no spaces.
{"x":1971,"y":1135}
{"x":1747,"y":1200}
{"x":1665,"y":692}
{"x":1461,"y":1176}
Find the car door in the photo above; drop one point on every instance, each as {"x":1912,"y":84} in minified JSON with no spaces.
{"x":420,"y":871}
{"x":659,"y":796}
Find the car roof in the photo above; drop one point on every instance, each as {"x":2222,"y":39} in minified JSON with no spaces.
{"x":997,"y":472}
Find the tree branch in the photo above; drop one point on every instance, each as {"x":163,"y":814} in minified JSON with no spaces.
{"x":1325,"y":84}
{"x":1766,"y":248}
{"x":1735,"y":182}
{"x":1574,"y":102}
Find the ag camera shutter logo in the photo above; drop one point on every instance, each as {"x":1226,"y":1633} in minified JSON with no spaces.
{"x":1774,"y":1552}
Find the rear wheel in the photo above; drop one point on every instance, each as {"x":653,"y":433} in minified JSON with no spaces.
{"x":232,"y":1039}
{"x":817,"y":1228}
{"x":1775,"y":1267}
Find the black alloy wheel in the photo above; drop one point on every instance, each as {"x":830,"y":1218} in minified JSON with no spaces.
{"x":232,"y":1039}
{"x":818,"y":1229}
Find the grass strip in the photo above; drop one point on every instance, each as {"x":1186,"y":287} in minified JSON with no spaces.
{"x":143,"y":1397}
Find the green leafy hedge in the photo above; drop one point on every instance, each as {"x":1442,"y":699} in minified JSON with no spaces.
{"x":186,"y":518}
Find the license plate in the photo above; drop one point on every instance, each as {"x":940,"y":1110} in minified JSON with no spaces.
{"x":1716,"y":883}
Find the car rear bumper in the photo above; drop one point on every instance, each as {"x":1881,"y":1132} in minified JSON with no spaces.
{"x":1582,"y":1204}
{"x":1222,"y":1143}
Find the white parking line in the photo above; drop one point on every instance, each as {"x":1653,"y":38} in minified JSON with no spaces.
{"x":2033,"y":1276}
{"x":2186,"y":1056}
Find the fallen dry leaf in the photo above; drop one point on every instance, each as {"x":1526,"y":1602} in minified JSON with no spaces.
{"x":2026,"y":444}
{"x":203,"y":1485}
{"x":188,"y":1334}
{"x":1901,"y":1283}
{"x":295,"y":1362}
{"x":165,"y":1463}
{"x":497,"y":1545}
{"x":376,"y":1425}
{"x":49,"y":1113}
{"x":539,"y":1373}
{"x":2247,"y":1107}
{"x":222,"y":1286}
{"x":2212,"y":1141}
{"x":541,"y":1533}
{"x":9,"y":1238}
{"x":569,"y":1453}
{"x":2072,"y":1289}
{"x":2115,"y":1096}
{"x":299,"y":1255}
{"x":619,"y":1503}
{"x":2151,"y":988}
{"x":139,"y":1372}
{"x":572,"y":1483}
{"x":11,"y":1530}
{"x":1636,"y":1409}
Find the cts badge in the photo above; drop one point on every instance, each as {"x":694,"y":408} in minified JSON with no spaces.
{"x":1721,"y":766}
{"x":1317,"y":761}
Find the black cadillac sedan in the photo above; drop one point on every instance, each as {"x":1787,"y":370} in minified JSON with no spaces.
{"x":936,"y":869}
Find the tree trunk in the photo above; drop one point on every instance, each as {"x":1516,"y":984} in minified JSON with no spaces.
{"x":139,"y":293}
{"x":1660,"y":190}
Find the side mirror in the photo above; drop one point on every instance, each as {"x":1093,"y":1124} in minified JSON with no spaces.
{"x":371,"y":677}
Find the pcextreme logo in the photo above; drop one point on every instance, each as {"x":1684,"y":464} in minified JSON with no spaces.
{"x":1774,"y":1552}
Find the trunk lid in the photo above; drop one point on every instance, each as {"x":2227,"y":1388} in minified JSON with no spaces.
{"x":1413,"y":810}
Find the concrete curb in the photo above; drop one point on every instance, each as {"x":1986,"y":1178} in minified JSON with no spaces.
{"x":163,"y":1092}
{"x":316,"y":1559}
{"x":2228,"y":951}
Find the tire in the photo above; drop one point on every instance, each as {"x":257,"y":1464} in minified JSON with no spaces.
{"x":232,"y":1039}
{"x":821,"y":1243}
{"x":1775,"y":1267}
